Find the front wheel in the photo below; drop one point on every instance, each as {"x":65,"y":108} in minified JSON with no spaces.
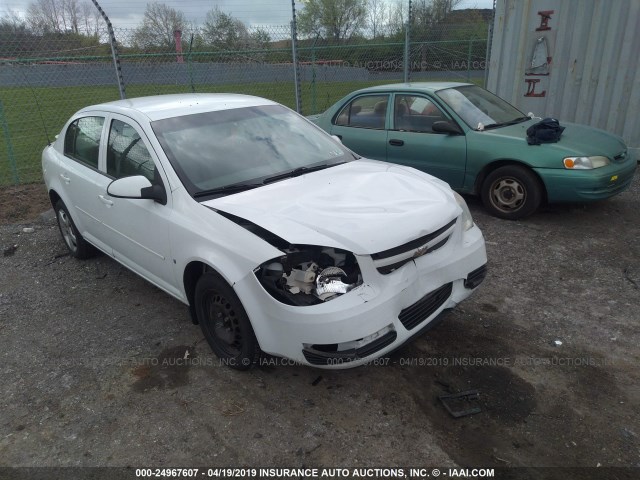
{"x":511,"y":192}
{"x":225,"y":323}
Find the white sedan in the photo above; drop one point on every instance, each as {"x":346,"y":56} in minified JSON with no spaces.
{"x":278,"y":238}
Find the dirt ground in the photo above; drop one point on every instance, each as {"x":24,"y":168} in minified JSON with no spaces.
{"x":23,"y":203}
{"x":93,"y":368}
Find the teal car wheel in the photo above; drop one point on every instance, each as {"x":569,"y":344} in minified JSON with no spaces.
{"x":511,"y":192}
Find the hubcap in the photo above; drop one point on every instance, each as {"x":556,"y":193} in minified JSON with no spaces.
{"x":508,"y":194}
{"x":67,"y":231}
{"x":223,"y":324}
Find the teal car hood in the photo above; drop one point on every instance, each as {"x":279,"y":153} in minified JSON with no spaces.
{"x":576,"y":140}
{"x":314,"y":118}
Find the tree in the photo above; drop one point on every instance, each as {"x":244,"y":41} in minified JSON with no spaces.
{"x":14,"y":34}
{"x":259,"y":39}
{"x":397,"y":18}
{"x":12,"y":23}
{"x":334,"y":20}
{"x":71,"y":12}
{"x":224,"y":31}
{"x":466,"y":24}
{"x":18,"y":40}
{"x":158,"y":25}
{"x":92,"y":19}
{"x":377,"y":13}
{"x":63,"y":16}
{"x":43,"y":16}
{"x":428,"y":16}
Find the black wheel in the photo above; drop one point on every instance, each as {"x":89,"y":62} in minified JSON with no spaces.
{"x":511,"y":192}
{"x":224,"y":322}
{"x":77,"y":245}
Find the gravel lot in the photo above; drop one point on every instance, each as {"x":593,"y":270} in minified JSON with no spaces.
{"x":93,"y":370}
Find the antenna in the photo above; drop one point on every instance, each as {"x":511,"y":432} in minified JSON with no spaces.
{"x":35,"y":97}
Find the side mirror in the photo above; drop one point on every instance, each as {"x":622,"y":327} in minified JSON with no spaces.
{"x":338,"y":138}
{"x":446,"y":127}
{"x":137,"y":187}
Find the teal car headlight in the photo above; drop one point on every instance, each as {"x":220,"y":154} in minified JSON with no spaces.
{"x":584,"y":163}
{"x":467,"y":219}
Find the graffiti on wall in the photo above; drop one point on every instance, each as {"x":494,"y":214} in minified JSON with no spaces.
{"x":540,"y":62}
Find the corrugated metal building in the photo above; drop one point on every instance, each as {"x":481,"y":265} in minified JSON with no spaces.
{"x":576,"y":60}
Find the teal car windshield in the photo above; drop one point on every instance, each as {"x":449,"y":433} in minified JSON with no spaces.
{"x":477,"y":106}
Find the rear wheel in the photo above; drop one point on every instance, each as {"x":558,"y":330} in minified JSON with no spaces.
{"x":511,"y":192}
{"x":77,"y":245}
{"x":225,"y":323}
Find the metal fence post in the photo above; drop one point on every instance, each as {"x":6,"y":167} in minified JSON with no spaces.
{"x":114,"y":51}
{"x":469,"y":60}
{"x":189,"y":66}
{"x":314,"y":86}
{"x":407,"y":40}
{"x":294,"y":54}
{"x":487,"y":57}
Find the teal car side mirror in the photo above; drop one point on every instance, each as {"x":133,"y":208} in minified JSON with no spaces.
{"x":444,"y":126}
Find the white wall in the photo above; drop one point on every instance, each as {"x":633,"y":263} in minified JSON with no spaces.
{"x":593,"y":76}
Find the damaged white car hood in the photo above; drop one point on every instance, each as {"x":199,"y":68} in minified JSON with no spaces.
{"x":363,"y":206}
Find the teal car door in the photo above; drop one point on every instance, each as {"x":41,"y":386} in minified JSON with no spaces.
{"x":361,"y":125}
{"x":412,"y":142}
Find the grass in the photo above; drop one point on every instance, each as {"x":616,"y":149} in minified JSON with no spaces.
{"x":27,"y":112}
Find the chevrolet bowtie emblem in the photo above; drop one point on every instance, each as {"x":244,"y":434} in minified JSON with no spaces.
{"x":420,"y":251}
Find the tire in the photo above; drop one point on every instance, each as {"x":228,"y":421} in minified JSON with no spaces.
{"x":77,"y":245}
{"x":511,"y":192}
{"x":225,"y":323}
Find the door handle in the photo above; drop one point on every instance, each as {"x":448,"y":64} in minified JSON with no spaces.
{"x":65,"y":178}
{"x":105,"y":200}
{"x":396,"y":142}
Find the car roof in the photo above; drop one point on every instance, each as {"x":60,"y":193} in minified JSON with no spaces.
{"x":158,"y":107}
{"x":416,"y":86}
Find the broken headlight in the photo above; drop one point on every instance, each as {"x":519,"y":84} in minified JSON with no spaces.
{"x":309,"y":275}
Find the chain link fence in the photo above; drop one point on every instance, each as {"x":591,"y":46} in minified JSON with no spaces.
{"x":331,"y":71}
{"x":46,"y":77}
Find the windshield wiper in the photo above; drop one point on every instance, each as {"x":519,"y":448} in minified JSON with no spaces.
{"x":300,"y":171}
{"x":238,"y":187}
{"x":504,"y":124}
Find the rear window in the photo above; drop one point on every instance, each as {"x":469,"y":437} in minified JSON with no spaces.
{"x":82,"y":140}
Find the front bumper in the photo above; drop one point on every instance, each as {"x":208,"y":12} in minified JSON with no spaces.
{"x":373,"y":319}
{"x":587,"y":185}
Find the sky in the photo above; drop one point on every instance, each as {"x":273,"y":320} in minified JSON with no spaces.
{"x":128,"y":13}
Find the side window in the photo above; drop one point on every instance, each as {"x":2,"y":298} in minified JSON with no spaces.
{"x":415,"y":114}
{"x":368,"y":111}
{"x":82,"y":140}
{"x":127,"y":154}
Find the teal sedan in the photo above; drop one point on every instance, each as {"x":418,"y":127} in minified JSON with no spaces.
{"x":477,"y":142}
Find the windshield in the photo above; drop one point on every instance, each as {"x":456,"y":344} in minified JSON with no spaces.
{"x":213,"y":150}
{"x":476,"y":105}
